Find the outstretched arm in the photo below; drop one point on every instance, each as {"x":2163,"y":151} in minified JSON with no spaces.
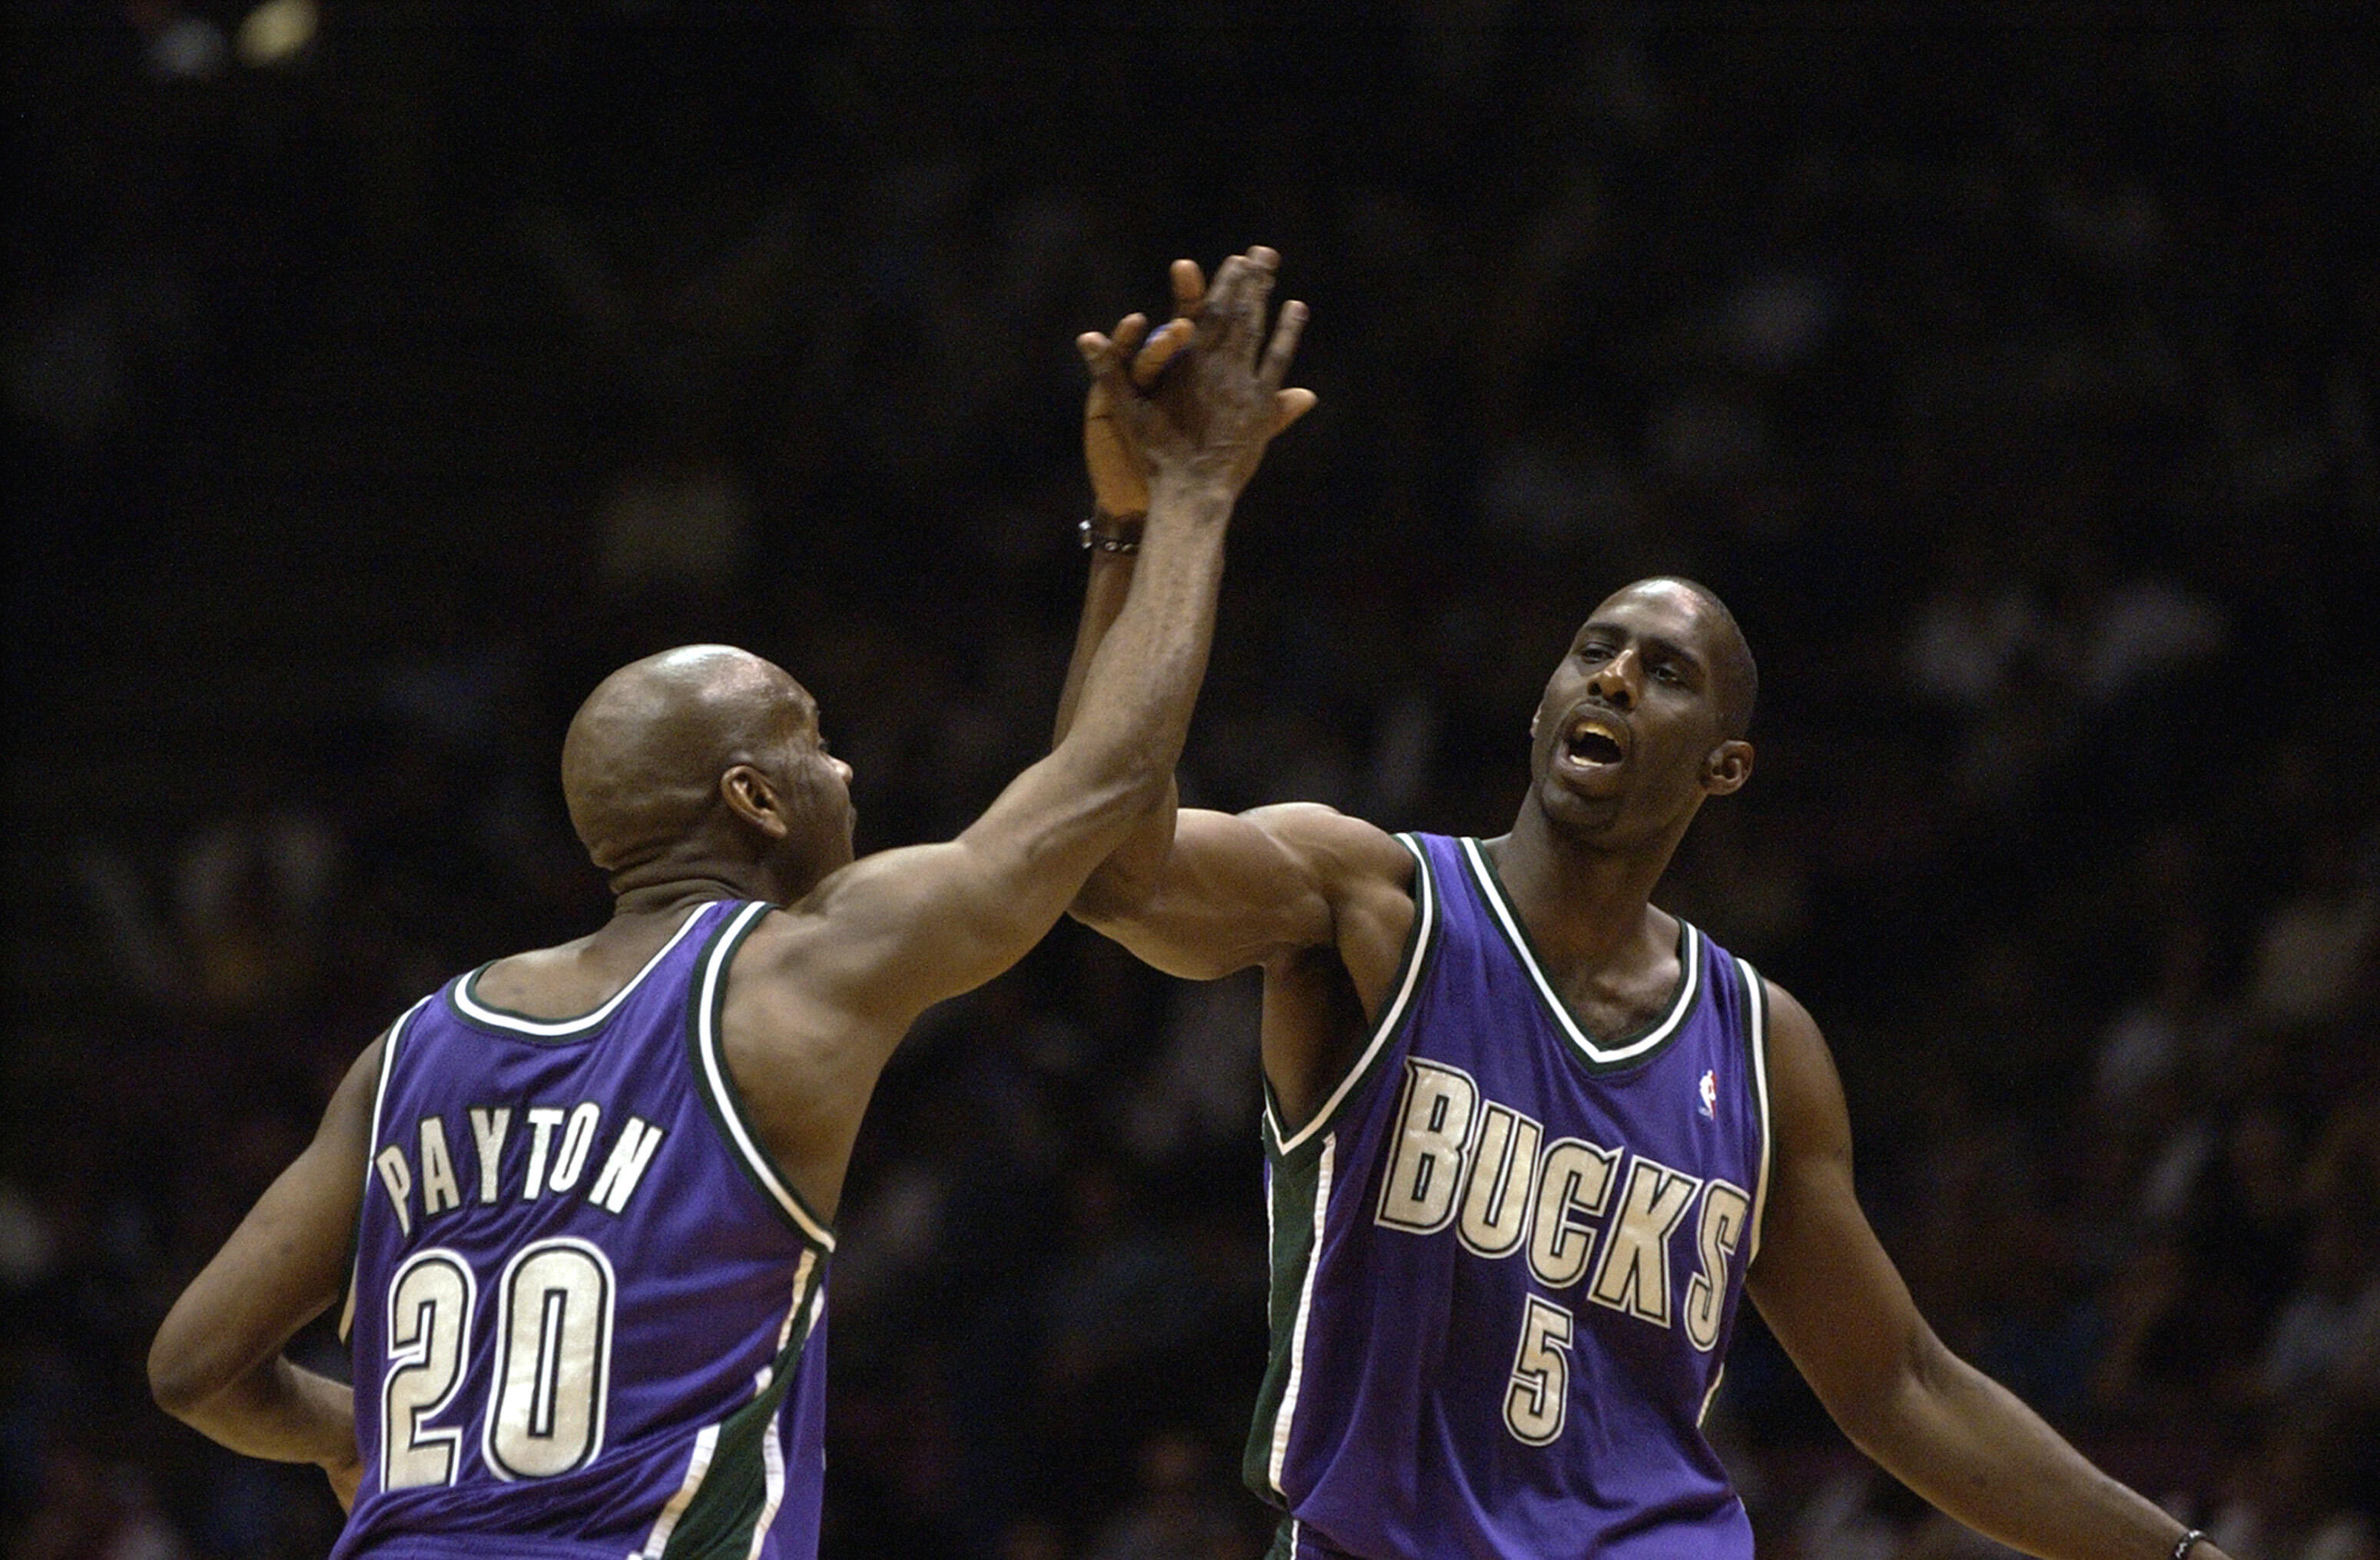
{"x":1832,"y":1297}
{"x":1203,"y":894}
{"x":897,"y":932}
{"x":217,"y":1363}
{"x":1123,"y":367}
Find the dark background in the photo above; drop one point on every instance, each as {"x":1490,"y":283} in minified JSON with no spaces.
{"x":2011,"y":376}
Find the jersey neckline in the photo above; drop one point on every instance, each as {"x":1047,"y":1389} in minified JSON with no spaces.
{"x":1633,"y":1048}
{"x":467,"y":1006}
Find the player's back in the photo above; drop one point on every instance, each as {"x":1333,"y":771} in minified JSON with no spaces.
{"x":587,"y":1315}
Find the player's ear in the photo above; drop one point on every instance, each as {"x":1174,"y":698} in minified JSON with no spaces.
{"x":1727,"y":768}
{"x":752,"y":799}
{"x":1534,"y":716}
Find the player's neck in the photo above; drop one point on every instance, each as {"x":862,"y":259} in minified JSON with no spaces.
{"x":695,"y":870}
{"x":1583,"y":905}
{"x":672,"y":897}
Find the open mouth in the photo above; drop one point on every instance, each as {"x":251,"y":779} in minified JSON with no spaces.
{"x":1591,"y":742}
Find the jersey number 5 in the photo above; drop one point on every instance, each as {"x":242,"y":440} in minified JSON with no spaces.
{"x":553,"y":1363}
{"x":1538,"y":1399}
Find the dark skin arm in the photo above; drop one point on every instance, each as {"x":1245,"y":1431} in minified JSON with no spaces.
{"x":1319,"y":900}
{"x":1125,"y":367}
{"x":823,"y":993}
{"x":1834,"y":1299}
{"x":1322,"y":903}
{"x":217,"y":1363}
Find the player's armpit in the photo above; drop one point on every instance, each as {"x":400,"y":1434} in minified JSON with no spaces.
{"x":216,"y":1360}
{"x":1237,"y":890}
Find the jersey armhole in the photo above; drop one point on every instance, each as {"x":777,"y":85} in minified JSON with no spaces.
{"x":389,"y":1042}
{"x":1421,"y":942}
{"x":706,"y":1004}
{"x":1755,"y":1032}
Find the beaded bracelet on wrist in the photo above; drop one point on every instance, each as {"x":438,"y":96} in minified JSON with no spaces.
{"x":1107,"y":541}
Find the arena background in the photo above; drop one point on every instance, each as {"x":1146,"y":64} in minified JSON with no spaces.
{"x":378,"y":379}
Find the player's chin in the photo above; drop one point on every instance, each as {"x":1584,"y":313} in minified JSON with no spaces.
{"x":1585,"y":811}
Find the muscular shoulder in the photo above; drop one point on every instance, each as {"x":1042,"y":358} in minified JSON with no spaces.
{"x":1337,"y":849}
{"x":791,"y":954}
{"x":1236,"y":889}
{"x":1806,"y":1090}
{"x":1366,"y":879}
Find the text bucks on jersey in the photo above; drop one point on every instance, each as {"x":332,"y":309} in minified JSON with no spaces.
{"x":1593,"y":1222}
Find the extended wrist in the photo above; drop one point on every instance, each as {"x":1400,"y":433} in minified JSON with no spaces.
{"x":1193,"y":492}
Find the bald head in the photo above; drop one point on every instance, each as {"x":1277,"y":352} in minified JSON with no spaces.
{"x":641,"y":765}
{"x":1735,"y":677}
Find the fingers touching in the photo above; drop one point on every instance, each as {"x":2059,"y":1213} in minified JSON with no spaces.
{"x":1231,"y":314}
{"x":1104,"y":356}
{"x":1217,"y":404}
{"x":1231,"y":319}
{"x":1159,"y":350}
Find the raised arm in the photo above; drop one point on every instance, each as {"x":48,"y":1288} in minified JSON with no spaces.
{"x":894,"y":933}
{"x":1834,"y":1299}
{"x":1215,"y":893}
{"x":1125,"y":366}
{"x":217,"y":1363}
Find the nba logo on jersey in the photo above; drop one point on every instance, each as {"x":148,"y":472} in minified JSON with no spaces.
{"x":1709,"y":1089}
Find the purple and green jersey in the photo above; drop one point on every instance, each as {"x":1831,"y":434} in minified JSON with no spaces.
{"x":1506,"y":1256}
{"x":587,"y":1317}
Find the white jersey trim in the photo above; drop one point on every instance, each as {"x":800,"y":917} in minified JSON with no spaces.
{"x":1425,"y":923}
{"x":705,"y":1444}
{"x":772,"y":1452}
{"x":1756,"y":1003}
{"x":1710,"y":1396}
{"x":1284,"y":1416}
{"x":1689,"y":985}
{"x":555,"y":1029}
{"x":715,"y":1069}
{"x":379,"y":1096}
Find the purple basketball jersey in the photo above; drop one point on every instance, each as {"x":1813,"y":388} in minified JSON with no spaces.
{"x":1506,"y":1258}
{"x":588,"y":1316}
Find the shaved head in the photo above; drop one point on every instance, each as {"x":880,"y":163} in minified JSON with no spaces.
{"x":1735,"y":677}
{"x":642,"y":766}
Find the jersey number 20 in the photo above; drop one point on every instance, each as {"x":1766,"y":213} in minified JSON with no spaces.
{"x":553,"y":1363}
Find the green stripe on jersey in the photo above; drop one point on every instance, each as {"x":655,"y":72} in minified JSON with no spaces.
{"x":735,"y":1499}
{"x":1301,"y":1196}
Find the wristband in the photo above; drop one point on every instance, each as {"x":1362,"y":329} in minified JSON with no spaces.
{"x":1107,"y":541}
{"x":2187,"y":1541}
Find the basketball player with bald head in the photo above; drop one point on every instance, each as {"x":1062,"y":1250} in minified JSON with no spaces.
{"x":1529,"y":1138}
{"x":581,"y":1200}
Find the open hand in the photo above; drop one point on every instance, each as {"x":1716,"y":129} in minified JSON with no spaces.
{"x":1208,"y":420}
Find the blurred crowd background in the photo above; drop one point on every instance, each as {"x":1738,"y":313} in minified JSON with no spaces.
{"x":378,"y":379}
